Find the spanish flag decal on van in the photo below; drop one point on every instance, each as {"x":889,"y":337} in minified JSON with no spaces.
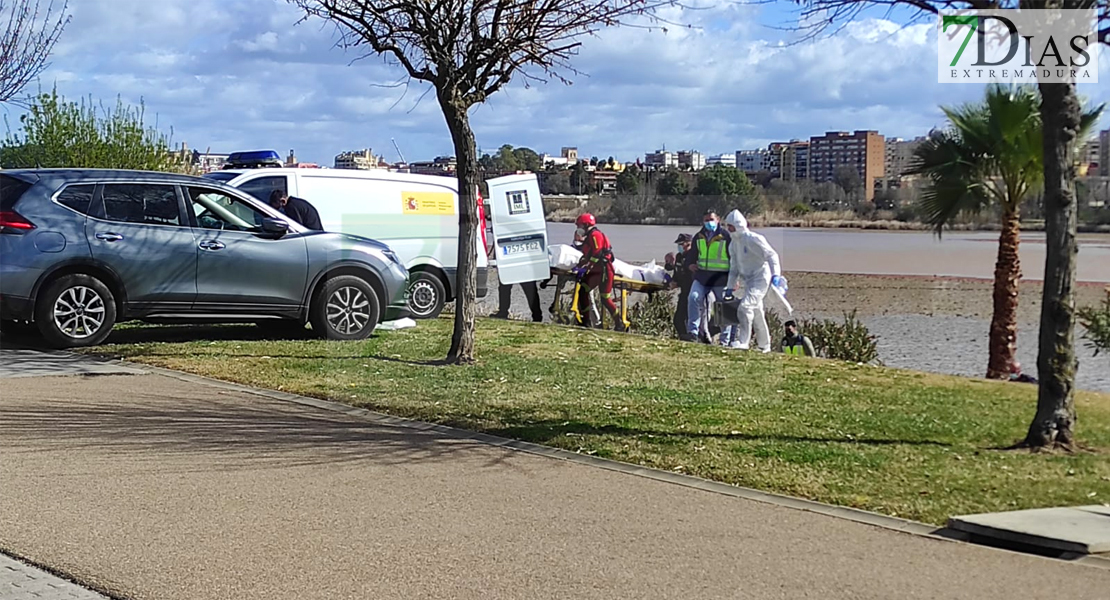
{"x":428,"y":203}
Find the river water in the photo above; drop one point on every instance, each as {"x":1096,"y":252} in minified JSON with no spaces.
{"x":957,"y":254}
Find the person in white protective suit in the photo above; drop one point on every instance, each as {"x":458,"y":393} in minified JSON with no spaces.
{"x":753,"y":267}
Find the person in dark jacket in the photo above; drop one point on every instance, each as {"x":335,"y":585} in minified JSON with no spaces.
{"x":505,"y":300}
{"x":1018,"y":376}
{"x":682,"y":278}
{"x":297,"y":209}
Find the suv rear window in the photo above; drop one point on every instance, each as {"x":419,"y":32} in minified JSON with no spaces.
{"x":77,"y":197}
{"x":11,"y":190}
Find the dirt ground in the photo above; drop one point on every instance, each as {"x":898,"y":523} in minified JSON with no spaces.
{"x":881,"y":295}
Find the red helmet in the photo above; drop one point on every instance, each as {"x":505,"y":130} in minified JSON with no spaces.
{"x":585,"y":221}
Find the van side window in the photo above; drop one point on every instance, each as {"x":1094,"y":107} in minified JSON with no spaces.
{"x":262,"y":187}
{"x":77,"y":197}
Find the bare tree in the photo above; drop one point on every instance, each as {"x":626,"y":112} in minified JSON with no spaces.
{"x":27,"y":41}
{"x":1054,"y":423}
{"x":468,"y":50}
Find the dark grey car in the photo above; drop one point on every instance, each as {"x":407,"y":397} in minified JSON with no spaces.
{"x":83,"y":249}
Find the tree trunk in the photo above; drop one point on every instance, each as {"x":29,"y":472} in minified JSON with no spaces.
{"x":1007,"y":272}
{"x":1054,"y":423}
{"x":466,"y":283}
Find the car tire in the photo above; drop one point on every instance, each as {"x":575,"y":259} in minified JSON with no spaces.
{"x":345,"y":308}
{"x":75,"y":311}
{"x":426,"y":295}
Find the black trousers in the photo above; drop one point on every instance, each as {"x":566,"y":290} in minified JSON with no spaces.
{"x":682,"y":311}
{"x":505,"y":299}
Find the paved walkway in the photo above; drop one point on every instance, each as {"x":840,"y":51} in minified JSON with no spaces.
{"x":147,"y":486}
{"x":19,"y":581}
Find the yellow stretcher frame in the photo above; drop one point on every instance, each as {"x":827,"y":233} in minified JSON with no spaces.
{"x":621,"y":284}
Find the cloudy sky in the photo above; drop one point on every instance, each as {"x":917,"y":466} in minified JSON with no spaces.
{"x":243,"y":74}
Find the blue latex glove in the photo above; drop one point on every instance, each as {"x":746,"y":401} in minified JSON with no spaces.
{"x":776,"y":281}
{"x":728,"y":294}
{"x":579,"y":272}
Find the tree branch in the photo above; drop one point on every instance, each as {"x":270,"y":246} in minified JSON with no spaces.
{"x":27,"y":41}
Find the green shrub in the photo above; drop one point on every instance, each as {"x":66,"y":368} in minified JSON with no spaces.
{"x":1096,"y":320}
{"x":800,"y":208}
{"x":849,"y":340}
{"x":654,"y":316}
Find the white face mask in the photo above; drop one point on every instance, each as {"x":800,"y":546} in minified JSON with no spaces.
{"x":580,"y":232}
{"x":680,"y":248}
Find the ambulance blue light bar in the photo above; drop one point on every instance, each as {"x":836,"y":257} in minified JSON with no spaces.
{"x":254,"y":156}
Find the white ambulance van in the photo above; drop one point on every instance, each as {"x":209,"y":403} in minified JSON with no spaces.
{"x":416,"y":215}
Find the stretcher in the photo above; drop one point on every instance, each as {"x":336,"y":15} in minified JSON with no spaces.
{"x":568,"y":312}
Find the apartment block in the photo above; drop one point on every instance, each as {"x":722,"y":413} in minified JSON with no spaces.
{"x":728,"y":160}
{"x":864,"y":151}
{"x":899,"y":158}
{"x":1105,"y":153}
{"x":753,"y":161}
{"x":1090,"y":158}
{"x":661,"y":159}
{"x":356,"y":159}
{"x":692,"y":160}
{"x":800,"y":159}
{"x":442,"y":165}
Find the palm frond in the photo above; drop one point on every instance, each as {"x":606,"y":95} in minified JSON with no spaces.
{"x":955,"y":175}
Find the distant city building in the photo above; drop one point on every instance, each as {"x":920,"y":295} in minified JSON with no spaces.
{"x":1090,"y":158}
{"x":788,"y":161}
{"x":753,"y":161}
{"x":899,"y":159}
{"x":1104,"y":153}
{"x":661,"y":159}
{"x":209,"y":161}
{"x":728,"y":160}
{"x":800,"y":157}
{"x":692,"y":160}
{"x":357,"y":159}
{"x":864,"y":151}
{"x":442,"y":165}
{"x":605,"y":182}
{"x":204,"y":163}
{"x":568,"y":157}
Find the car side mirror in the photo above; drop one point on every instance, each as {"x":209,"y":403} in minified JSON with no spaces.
{"x":275,"y":227}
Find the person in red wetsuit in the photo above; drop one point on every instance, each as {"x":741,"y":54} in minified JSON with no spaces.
{"x":595,"y":270}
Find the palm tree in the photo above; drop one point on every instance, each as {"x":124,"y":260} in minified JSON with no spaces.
{"x":991,"y":155}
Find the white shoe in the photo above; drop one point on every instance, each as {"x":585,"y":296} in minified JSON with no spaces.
{"x":765,"y":350}
{"x":734,"y":345}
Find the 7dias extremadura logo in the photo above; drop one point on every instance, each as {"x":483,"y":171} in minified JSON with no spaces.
{"x":1020,"y":46}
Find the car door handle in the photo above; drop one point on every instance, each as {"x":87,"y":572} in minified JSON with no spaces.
{"x":211,"y":245}
{"x":109,"y":237}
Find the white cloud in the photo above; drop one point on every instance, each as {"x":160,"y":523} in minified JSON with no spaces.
{"x":235,"y":74}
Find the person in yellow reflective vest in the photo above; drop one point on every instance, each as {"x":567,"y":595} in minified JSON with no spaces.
{"x":709,"y":262}
{"x":796,"y":343}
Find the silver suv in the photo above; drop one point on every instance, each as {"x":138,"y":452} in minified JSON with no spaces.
{"x":83,"y":249}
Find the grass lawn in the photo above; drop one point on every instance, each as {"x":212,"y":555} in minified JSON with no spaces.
{"x":902,"y":443}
